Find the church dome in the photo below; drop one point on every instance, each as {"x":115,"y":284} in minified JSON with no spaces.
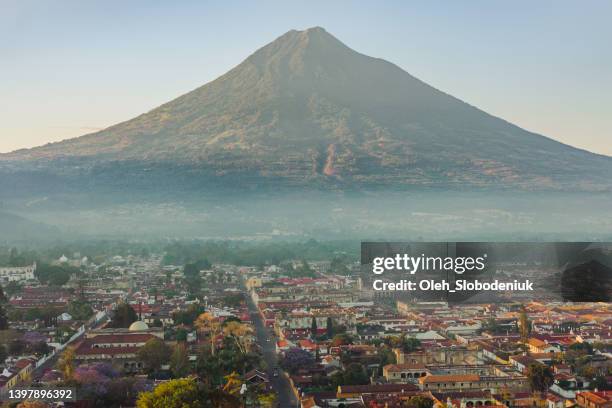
{"x":138,"y":326}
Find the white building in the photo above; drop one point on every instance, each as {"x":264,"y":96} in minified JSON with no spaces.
{"x":17,"y":273}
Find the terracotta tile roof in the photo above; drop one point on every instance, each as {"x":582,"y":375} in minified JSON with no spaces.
{"x":449,"y":378}
{"x":403,"y":367}
{"x":375,"y":388}
{"x":22,"y":363}
{"x":121,"y":338}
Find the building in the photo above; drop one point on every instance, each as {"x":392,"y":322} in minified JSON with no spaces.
{"x":404,"y":372}
{"x":594,"y":399}
{"x":461,"y":382}
{"x":118,"y":345}
{"x":356,"y":391}
{"x":17,"y":273}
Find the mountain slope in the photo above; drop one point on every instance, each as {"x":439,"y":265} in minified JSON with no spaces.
{"x":307,"y":110}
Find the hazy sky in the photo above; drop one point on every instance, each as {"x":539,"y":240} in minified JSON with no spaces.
{"x":71,"y":67}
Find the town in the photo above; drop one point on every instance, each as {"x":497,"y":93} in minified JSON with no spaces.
{"x":179,"y":326}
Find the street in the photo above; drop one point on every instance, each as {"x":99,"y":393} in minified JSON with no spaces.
{"x":281,"y":385}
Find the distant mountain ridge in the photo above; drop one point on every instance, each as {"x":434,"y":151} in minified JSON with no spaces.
{"x":307,"y":110}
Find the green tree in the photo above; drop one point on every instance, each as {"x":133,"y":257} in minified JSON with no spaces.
{"x":181,"y":335}
{"x":304,"y":270}
{"x":208,"y":367}
{"x":540,"y":377}
{"x":57,"y":275}
{"x":16,"y":347}
{"x":267,"y":400}
{"x":410,"y":344}
{"x":179,"y":361}
{"x":386,"y":356}
{"x":355,"y":374}
{"x":181,"y":393}
{"x":186,"y":393}
{"x":3,"y":354}
{"x":80,"y":310}
{"x":4,"y":322}
{"x":189,"y":315}
{"x":329,"y":329}
{"x":524,"y":326}
{"x":190,"y":270}
{"x":154,"y":354}
{"x":338,"y":266}
{"x":313,"y":327}
{"x":124,"y":316}
{"x":584,"y":347}
{"x":420,"y":401}
{"x":12,"y":288}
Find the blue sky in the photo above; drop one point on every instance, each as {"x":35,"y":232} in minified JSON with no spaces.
{"x":71,"y":67}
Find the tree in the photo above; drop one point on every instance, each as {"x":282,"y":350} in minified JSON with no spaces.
{"x":296,"y":358}
{"x":491,"y":325}
{"x":190,"y":270}
{"x":233,"y":383}
{"x":540,"y":377}
{"x":208,"y":367}
{"x":12,"y":288}
{"x":410,"y":344}
{"x":313,"y":327}
{"x":267,"y":400}
{"x":420,"y":401}
{"x":192,"y":278}
{"x":181,"y":393}
{"x":524,"y":326}
{"x":329,"y":328}
{"x":338,"y":267}
{"x":16,"y":347}
{"x":233,"y":300}
{"x":207,"y":322}
{"x":186,"y":393}
{"x":304,"y":270}
{"x":181,"y":335}
{"x":3,"y":354}
{"x":32,"y":404}
{"x":4,"y":322}
{"x":154,"y":354}
{"x":585,"y":347}
{"x":189,"y":315}
{"x":124,"y":316}
{"x":179,"y":361}
{"x":238,"y":332}
{"x":355,"y":374}
{"x":80,"y":310}
{"x":66,"y":363}
{"x":3,"y":298}
{"x":57,"y":275}
{"x":341,"y":340}
{"x":385,"y":356}
{"x":40,"y":348}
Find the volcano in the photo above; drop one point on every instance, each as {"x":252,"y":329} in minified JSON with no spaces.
{"x":308,"y":111}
